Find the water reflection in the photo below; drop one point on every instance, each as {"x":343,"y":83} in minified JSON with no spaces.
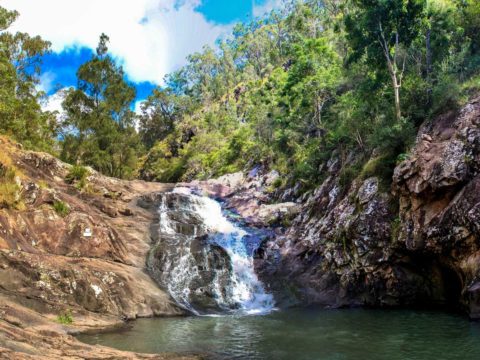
{"x":307,"y":335}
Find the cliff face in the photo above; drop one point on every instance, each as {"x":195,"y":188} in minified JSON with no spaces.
{"x":438,"y":189}
{"x":49,"y":266}
{"x":416,"y":244}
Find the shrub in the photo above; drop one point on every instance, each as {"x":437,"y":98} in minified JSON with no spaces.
{"x":347,"y":175}
{"x":277,"y":183}
{"x":9,"y":188}
{"x":9,"y":195}
{"x":446,"y":95}
{"x":381,"y":166}
{"x":66,"y":318}
{"x":78,"y":176}
{"x":61,"y":208}
{"x":43,"y":184}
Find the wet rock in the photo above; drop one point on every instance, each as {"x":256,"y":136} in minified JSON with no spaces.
{"x":185,"y":263}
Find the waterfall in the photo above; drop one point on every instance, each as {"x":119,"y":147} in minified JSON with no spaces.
{"x":204,"y":259}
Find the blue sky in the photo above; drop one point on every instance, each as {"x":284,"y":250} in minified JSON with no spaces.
{"x":226,"y":11}
{"x":65,"y":64}
{"x":150,"y":38}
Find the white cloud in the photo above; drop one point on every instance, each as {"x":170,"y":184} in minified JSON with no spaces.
{"x":138,"y":110}
{"x":138,"y":107}
{"x":261,"y":10}
{"x":150,"y":37}
{"x":54,"y":102}
{"x":47,"y":82}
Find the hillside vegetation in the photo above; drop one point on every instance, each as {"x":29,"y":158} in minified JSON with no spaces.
{"x":283,"y":92}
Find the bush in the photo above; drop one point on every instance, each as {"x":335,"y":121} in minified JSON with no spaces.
{"x":77,"y":175}
{"x":61,"y":208}
{"x":277,"y":183}
{"x":9,"y":188}
{"x":9,"y":195}
{"x":66,"y":318}
{"x":347,"y":175}
{"x":381,"y":166}
{"x":446,"y":95}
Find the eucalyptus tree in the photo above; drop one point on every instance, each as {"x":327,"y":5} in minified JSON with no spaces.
{"x":99,"y":126}
{"x":382,"y":31}
{"x":21,"y":115}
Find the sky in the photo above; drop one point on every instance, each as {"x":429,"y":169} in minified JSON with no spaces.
{"x":149,"y":38}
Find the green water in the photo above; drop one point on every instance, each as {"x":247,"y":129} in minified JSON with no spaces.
{"x":304,"y":334}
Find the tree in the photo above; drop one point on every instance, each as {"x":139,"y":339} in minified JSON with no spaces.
{"x":99,"y":125}
{"x":21,"y":115}
{"x":312,"y":81}
{"x":159,"y":113}
{"x":382,"y":31}
{"x":471,"y":22}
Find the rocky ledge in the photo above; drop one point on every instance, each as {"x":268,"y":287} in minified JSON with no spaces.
{"x":416,"y":243}
{"x":72,"y":260}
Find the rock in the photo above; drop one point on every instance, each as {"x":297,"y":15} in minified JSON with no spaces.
{"x":206,"y":270}
{"x":271,"y":177}
{"x":276,"y":213}
{"x":427,"y":137}
{"x":350,"y":248}
{"x":48,"y":267}
{"x":126,"y":211}
{"x":108,"y":209}
{"x":368,"y":190}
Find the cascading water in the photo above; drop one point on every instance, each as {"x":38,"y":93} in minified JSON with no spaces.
{"x":204,"y":259}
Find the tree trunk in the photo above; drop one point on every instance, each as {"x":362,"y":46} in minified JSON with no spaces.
{"x":398,"y":111}
{"x":396,"y":88}
{"x":429,"y":65}
{"x":428,"y":53}
{"x":395,"y":73}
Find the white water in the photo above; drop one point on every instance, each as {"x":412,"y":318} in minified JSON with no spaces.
{"x":245,"y":294}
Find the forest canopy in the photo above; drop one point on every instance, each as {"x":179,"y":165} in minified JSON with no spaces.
{"x":285,"y":92}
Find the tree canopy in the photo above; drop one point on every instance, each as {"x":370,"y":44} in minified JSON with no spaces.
{"x":314,"y":78}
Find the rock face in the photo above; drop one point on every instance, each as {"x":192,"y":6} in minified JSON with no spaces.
{"x":415,"y":244}
{"x":50,"y":266}
{"x":438,"y":187}
{"x":339,"y":252}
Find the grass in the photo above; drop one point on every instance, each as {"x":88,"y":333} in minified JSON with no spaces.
{"x":471,"y":87}
{"x":43,"y":184}
{"x":78,"y":176}
{"x":10,"y":196}
{"x":66,"y":318}
{"x":61,"y":208}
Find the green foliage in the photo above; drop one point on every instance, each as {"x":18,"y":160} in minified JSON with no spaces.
{"x":77,"y":174}
{"x":61,"y":208}
{"x":65,"y":318}
{"x":99,"y":125}
{"x":347,"y":175}
{"x":43,"y":184}
{"x":9,"y":187}
{"x":395,"y":228}
{"x":381,"y":167}
{"x":312,"y":80}
{"x":21,"y":116}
